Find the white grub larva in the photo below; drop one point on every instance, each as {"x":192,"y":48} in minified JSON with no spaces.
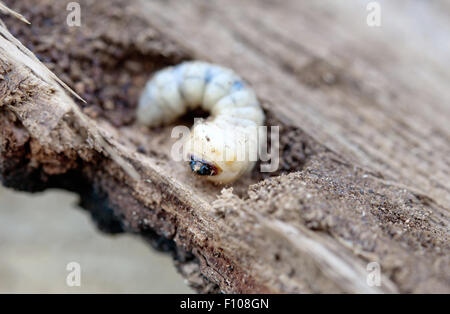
{"x":220,"y":147}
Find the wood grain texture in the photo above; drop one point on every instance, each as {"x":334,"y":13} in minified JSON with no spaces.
{"x":382,"y":93}
{"x":364,"y":139}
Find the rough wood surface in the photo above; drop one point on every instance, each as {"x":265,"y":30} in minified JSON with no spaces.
{"x":365,"y":137}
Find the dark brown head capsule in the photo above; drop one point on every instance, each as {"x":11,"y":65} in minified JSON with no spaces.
{"x":202,"y":167}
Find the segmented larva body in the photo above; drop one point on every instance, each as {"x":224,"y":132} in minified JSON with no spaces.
{"x":219,"y":147}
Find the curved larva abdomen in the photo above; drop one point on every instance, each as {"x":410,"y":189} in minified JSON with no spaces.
{"x":223,"y":147}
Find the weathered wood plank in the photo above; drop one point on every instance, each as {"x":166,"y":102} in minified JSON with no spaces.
{"x":364,"y":163}
{"x":377,"y":95}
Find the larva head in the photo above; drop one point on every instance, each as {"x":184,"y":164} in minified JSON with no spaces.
{"x":202,"y":167}
{"x":215,"y":153}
